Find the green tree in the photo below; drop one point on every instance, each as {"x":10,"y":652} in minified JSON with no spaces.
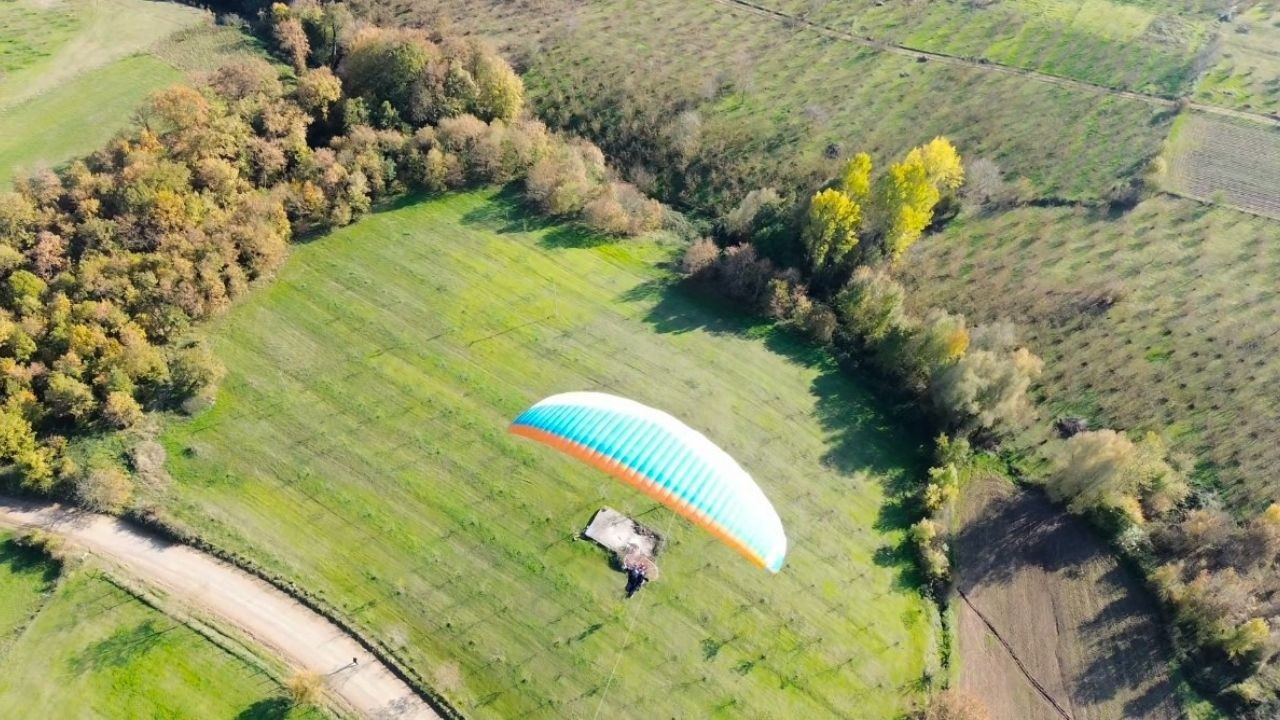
{"x":870,"y":305}
{"x":386,"y":65}
{"x":499,"y":91}
{"x":68,"y":397}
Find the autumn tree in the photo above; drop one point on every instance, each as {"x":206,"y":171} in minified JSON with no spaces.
{"x":986,"y":390}
{"x":289,"y":36}
{"x":904,"y":198}
{"x":305,"y":687}
{"x":830,"y":233}
{"x":1105,"y":470}
{"x":317,"y":91}
{"x":855,"y":178}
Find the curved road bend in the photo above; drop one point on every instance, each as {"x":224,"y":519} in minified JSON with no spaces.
{"x":298,"y":635}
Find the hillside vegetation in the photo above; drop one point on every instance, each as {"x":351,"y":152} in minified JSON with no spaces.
{"x":113,"y":259}
{"x":727,"y":101}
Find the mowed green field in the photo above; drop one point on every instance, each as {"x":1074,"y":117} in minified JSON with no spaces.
{"x":1189,"y":347}
{"x":781,"y":104}
{"x":72,"y":71}
{"x":78,"y":117}
{"x":793,"y":93}
{"x":77,"y":646}
{"x":358,"y":446}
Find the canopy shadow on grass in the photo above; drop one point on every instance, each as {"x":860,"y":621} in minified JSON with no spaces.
{"x":860,"y":435}
{"x":22,"y":560}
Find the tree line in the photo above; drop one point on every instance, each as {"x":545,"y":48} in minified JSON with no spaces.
{"x":825,"y":266}
{"x":106,"y":264}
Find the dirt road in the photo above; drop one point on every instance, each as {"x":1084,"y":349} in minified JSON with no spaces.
{"x":299,"y":636}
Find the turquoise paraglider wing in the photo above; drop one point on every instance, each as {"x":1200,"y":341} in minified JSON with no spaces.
{"x":667,"y":460}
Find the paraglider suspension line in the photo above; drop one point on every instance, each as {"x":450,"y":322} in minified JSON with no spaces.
{"x":626,"y":639}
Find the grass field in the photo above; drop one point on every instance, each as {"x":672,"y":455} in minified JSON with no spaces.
{"x":773,"y":98}
{"x":44,"y":44}
{"x":79,"y":116}
{"x":1147,"y":47}
{"x":72,"y":71}
{"x":78,"y":646}
{"x":359,"y":446}
{"x":1246,"y":71}
{"x":1189,"y":345}
{"x":1230,"y":162}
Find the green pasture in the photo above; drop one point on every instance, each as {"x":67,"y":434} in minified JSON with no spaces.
{"x":45,"y":43}
{"x":77,"y":646}
{"x":358,"y":446}
{"x":78,"y":116}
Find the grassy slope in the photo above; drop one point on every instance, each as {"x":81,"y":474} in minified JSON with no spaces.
{"x":56,"y":41}
{"x":359,"y":446}
{"x":79,"y":116}
{"x":75,"y":70}
{"x":80,"y":647}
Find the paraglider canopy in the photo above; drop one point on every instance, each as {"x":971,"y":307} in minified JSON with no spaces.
{"x":667,"y":460}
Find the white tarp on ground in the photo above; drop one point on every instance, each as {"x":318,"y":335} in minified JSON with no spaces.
{"x":621,"y":534}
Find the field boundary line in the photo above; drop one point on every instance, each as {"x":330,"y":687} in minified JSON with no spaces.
{"x":956,"y":60}
{"x":1062,"y":712}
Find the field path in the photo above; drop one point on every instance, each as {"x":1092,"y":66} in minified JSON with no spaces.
{"x":299,"y":635}
{"x":905,"y":50}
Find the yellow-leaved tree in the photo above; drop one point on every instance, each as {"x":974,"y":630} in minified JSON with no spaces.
{"x":904,"y":200}
{"x":941,"y":162}
{"x":830,"y":231}
{"x":855,"y":179}
{"x":904,"y":197}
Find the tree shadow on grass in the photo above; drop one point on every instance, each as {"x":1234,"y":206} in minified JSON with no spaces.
{"x":867,"y":427}
{"x":120,"y":648}
{"x":272,"y":708}
{"x":509,"y":213}
{"x":23,"y":560}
